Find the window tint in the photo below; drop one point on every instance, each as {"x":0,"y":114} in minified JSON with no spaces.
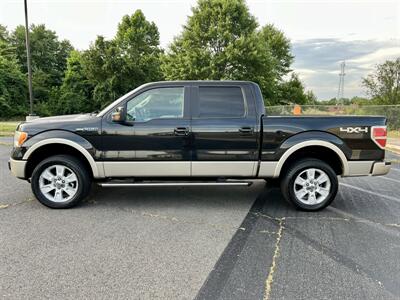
{"x":156,"y":104}
{"x":224,"y":102}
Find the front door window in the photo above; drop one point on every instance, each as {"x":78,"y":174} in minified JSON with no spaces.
{"x":160,"y":103}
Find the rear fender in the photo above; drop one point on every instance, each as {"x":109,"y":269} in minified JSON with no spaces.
{"x":313,"y":138}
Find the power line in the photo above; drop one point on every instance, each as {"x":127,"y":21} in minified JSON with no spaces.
{"x":340,"y":94}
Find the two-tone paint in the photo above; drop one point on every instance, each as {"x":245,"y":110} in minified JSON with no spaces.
{"x":254,"y":145}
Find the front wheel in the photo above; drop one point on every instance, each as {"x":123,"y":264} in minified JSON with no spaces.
{"x":310,"y":184}
{"x":60,"y":181}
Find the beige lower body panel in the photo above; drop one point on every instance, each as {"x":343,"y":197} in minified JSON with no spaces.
{"x":359,"y":168}
{"x":170,"y":169}
{"x":381,"y":168}
{"x":212,"y":169}
{"x":267,"y":169}
{"x":224,"y":168}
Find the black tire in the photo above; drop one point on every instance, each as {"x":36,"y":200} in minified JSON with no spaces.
{"x":75,"y":165}
{"x":288,"y":183}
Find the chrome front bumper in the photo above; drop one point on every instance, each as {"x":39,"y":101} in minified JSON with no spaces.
{"x":381,"y":168}
{"x":17,"y":167}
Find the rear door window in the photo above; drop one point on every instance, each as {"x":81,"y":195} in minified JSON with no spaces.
{"x":221,"y":102}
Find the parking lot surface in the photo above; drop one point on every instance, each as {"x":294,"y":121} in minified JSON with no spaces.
{"x":203,"y":243}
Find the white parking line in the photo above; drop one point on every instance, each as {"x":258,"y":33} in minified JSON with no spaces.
{"x":391,"y":179}
{"x":369,"y":192}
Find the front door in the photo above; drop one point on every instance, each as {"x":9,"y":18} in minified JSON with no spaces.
{"x":158,"y":143}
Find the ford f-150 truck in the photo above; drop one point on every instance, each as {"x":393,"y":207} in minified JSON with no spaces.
{"x":196,"y":133}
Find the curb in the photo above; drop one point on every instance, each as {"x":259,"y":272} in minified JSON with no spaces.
{"x":5,"y":144}
{"x":393,"y":148}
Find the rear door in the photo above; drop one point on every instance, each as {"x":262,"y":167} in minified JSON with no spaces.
{"x":223,"y":128}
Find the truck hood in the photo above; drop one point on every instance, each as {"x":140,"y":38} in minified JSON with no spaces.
{"x":74,"y":123}
{"x":64,"y":118}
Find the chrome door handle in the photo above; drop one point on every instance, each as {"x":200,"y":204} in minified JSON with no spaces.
{"x":246,"y":130}
{"x":181,"y":131}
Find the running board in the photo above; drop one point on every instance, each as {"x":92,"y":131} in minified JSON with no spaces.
{"x":224,"y":183}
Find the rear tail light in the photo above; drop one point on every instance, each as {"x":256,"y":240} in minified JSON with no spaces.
{"x":379,"y":135}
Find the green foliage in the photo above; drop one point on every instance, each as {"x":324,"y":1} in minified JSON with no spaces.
{"x":12,"y":81}
{"x":292,"y":91}
{"x":279,"y":45}
{"x":384,"y":84}
{"x":6,"y":49}
{"x":12,"y":88}
{"x":75,"y":94}
{"x":67,"y":81}
{"x":361,"y":101}
{"x":47,"y":52}
{"x":221,"y":40}
{"x":124,"y":63}
{"x":212,"y":42}
{"x":48,"y":58}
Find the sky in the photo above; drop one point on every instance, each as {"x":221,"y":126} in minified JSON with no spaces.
{"x":322,"y":32}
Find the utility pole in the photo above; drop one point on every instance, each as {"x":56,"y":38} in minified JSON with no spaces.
{"x":340,"y":93}
{"x":28,"y":58}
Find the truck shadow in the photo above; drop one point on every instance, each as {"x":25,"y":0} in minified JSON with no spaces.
{"x":213,"y":199}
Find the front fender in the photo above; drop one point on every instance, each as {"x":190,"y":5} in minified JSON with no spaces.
{"x":60,"y":137}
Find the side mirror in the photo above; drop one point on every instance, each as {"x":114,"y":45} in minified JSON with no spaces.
{"x":119,"y":116}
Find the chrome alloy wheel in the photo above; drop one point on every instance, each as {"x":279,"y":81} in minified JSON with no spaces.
{"x":312,"y":186}
{"x":58,"y":183}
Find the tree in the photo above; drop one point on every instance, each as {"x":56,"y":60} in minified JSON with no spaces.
{"x":48,"y":53}
{"x":279,"y":45}
{"x":49,"y":57}
{"x":130,"y":59}
{"x":75,"y":94}
{"x":138,"y":42}
{"x":4,"y":36}
{"x":12,"y":82}
{"x":13,"y":88}
{"x":311,"y":98}
{"x":292,"y":91}
{"x":221,"y":40}
{"x":6,"y":49}
{"x":384,"y":83}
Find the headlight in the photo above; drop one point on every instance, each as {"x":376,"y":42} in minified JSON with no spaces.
{"x":19,"y":138}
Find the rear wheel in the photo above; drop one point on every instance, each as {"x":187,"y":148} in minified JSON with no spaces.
{"x":310,"y":184}
{"x":60,"y":181}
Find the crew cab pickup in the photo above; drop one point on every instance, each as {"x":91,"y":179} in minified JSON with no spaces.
{"x":196,"y":133}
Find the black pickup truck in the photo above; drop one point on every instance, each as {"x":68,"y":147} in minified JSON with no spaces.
{"x":196,"y":133}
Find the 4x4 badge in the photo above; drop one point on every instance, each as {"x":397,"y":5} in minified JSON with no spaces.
{"x":354,"y":129}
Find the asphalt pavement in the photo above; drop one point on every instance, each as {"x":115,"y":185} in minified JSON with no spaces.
{"x":203,"y":243}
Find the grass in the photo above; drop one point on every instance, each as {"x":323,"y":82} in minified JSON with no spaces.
{"x":7,"y":128}
{"x":394,"y":133}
